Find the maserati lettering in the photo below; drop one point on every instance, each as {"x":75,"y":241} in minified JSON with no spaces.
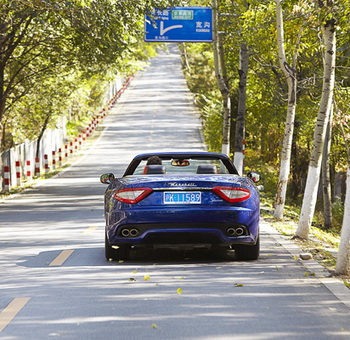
{"x":175,"y":184}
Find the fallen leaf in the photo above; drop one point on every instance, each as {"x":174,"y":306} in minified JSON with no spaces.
{"x":239,"y":284}
{"x":120,"y":261}
{"x":134,"y":271}
{"x":132,"y":279}
{"x":309,"y":274}
{"x":179,"y":290}
{"x":146,"y":277}
{"x":154,"y":326}
{"x":115,"y":247}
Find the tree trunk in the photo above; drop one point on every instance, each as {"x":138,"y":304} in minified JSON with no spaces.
{"x":185,"y":57}
{"x":313,"y":177}
{"x":343,"y":258}
{"x":226,"y":123}
{"x":2,"y":101}
{"x":2,"y":111}
{"x":37,"y":153}
{"x":242,"y":99}
{"x":290,"y":74}
{"x":326,"y":180}
{"x":220,"y":73}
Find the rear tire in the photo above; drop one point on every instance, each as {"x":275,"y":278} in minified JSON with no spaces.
{"x":116,"y":254}
{"x":248,"y":253}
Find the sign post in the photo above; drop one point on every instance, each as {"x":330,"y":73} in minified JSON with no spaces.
{"x":179,"y":24}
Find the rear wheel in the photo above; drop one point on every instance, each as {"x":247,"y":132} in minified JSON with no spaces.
{"x":120,"y":252}
{"x":244,"y":252}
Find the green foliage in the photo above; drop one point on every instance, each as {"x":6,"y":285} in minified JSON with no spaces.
{"x":212,"y":130}
{"x":57,"y":57}
{"x":201,"y":81}
{"x":254,"y":23}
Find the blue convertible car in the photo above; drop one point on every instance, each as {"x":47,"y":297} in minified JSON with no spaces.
{"x":181,"y":200}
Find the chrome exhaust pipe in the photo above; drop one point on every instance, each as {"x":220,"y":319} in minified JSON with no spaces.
{"x":240,"y":231}
{"x":231,"y":231}
{"x":134,"y":233}
{"x":125,"y":232}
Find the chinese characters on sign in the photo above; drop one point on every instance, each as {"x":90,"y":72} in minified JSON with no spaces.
{"x":182,"y":14}
{"x":179,"y":24}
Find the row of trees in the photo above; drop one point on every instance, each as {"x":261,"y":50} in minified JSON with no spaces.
{"x":282,"y":69}
{"x":56,"y":57}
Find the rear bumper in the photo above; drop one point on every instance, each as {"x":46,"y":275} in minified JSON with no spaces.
{"x":184,"y":227}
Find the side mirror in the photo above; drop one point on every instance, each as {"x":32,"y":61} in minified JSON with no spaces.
{"x":254,"y":176}
{"x":107,"y":178}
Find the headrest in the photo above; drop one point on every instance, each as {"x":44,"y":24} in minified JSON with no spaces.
{"x":154,"y":169}
{"x":207,"y":169}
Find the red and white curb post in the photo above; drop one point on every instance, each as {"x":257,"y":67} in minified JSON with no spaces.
{"x":7,"y":178}
{"x":18,"y":173}
{"x":37,"y":167}
{"x":29,"y":175}
{"x":60,"y":157}
{"x":53,"y":160}
{"x":46,"y":164}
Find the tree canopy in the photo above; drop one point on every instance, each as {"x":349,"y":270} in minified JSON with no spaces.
{"x":67,"y":43}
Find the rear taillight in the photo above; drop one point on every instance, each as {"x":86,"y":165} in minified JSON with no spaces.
{"x":132,"y":195}
{"x":232,"y":194}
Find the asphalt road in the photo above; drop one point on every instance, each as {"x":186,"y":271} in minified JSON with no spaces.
{"x":56,"y":284}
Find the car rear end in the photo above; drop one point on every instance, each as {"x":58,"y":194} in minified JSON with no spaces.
{"x":180,"y":211}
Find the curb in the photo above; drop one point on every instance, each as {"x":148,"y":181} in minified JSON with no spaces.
{"x":333,"y":284}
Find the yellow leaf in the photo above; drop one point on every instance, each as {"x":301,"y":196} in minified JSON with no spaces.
{"x":120,"y":261}
{"x":146,"y":277}
{"x":134,"y":271}
{"x":309,"y":274}
{"x":154,"y":326}
{"x":239,"y":285}
{"x":179,"y":290}
{"x":115,"y":247}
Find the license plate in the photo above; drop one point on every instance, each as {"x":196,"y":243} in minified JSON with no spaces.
{"x":192,"y":197}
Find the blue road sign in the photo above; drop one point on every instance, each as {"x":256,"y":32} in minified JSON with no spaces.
{"x":179,"y":24}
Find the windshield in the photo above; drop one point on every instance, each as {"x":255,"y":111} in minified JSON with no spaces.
{"x":187,"y":166}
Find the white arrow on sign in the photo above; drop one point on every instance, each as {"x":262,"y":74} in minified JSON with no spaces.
{"x":163,"y":31}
